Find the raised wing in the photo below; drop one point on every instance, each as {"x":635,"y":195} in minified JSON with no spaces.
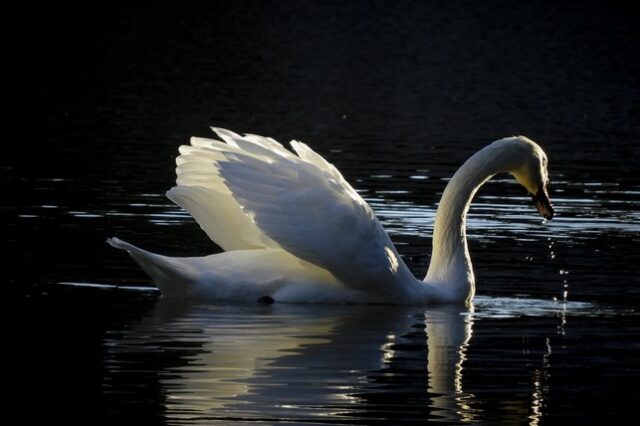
{"x":202,"y":192}
{"x":305,"y":205}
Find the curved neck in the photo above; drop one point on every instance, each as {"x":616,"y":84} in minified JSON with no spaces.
{"x":450,"y":265}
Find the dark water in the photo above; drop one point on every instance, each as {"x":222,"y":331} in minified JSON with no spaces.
{"x":396,"y":95}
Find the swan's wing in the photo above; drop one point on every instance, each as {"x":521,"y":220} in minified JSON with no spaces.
{"x":202,"y":192}
{"x":305,"y":205}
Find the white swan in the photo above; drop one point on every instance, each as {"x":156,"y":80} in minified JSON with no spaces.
{"x":293,"y":230}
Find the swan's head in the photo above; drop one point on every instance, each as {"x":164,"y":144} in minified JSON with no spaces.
{"x":528,"y":164}
{"x":530,"y":170}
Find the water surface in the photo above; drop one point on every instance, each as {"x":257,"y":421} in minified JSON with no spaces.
{"x":397,"y":97}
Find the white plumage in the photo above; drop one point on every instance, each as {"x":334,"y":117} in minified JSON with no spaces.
{"x":293,"y":229}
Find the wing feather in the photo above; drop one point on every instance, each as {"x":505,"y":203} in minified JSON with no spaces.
{"x":203,"y":193}
{"x":305,"y":205}
{"x":249,"y":191}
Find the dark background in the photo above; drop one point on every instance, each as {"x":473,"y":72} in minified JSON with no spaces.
{"x":101,"y":95}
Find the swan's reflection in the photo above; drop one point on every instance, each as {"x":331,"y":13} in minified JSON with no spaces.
{"x":285,"y":361}
{"x":448,"y":333}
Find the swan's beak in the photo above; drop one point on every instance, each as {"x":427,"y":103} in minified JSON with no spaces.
{"x":543,"y":204}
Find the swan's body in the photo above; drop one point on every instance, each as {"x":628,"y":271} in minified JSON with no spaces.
{"x":294,"y":230}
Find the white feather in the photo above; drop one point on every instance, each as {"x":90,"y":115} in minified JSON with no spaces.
{"x":306,"y":206}
{"x":294,"y":229}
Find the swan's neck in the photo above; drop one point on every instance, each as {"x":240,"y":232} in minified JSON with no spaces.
{"x":450,"y":269}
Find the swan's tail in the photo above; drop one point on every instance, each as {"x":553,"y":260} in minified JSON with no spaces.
{"x":172,"y":276}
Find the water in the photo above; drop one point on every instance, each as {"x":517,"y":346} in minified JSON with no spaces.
{"x":397,"y":97}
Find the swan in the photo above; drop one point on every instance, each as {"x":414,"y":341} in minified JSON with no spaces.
{"x":294,"y":230}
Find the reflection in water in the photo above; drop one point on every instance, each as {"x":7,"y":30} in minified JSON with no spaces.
{"x":541,"y":377}
{"x":448,"y":334}
{"x":254,"y":362}
{"x":101,"y":160}
{"x":298,"y":363}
